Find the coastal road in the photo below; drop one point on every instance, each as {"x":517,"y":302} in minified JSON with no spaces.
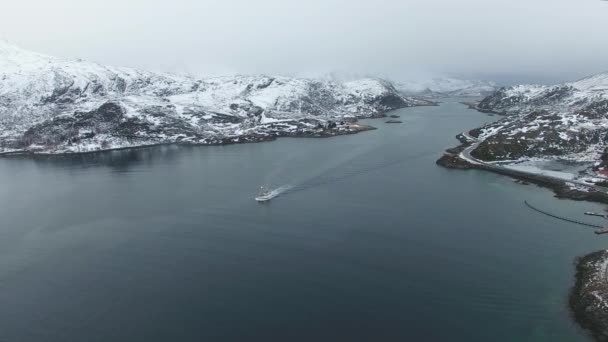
{"x":466,"y":155}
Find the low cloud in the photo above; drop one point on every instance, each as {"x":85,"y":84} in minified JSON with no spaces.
{"x":513,"y":40}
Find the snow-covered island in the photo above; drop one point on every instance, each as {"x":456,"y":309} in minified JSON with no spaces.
{"x":55,"y":105}
{"x":557,"y":132}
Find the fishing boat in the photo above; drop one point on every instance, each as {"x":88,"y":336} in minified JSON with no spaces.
{"x":264,"y":194}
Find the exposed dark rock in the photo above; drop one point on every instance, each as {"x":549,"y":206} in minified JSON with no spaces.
{"x":453,"y":162}
{"x":595,"y":110}
{"x":589,"y":294}
{"x":64,"y":128}
{"x":392,"y":101}
{"x":109,"y":112}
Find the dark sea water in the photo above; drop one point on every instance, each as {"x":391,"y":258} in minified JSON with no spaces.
{"x":373,"y":242}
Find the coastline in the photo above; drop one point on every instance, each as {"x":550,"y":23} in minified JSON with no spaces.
{"x":460,"y":157}
{"x":560,"y":188}
{"x":351,"y":128}
{"x":475,"y":106}
{"x":588,"y":298}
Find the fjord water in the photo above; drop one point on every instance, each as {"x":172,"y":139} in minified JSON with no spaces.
{"x":373,"y":242}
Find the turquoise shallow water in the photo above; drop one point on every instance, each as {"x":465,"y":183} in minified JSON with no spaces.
{"x":373,"y":242}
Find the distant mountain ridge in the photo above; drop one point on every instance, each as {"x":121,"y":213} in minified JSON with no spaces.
{"x":447,"y":87}
{"x":55,"y":105}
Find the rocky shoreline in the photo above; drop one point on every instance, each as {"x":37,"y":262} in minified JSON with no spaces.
{"x":589,"y":296}
{"x":271,"y":135}
{"x":588,"y":299}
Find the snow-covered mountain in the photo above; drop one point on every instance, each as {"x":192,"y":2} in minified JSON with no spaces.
{"x":56,"y":105}
{"x":447,"y":87}
{"x":562,"y":122}
{"x":582,"y":95}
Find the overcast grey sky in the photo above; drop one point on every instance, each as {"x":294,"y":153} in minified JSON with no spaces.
{"x":534,"y":39}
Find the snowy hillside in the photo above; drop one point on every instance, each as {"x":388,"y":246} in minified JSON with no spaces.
{"x":567,"y":122}
{"x":56,"y":105}
{"x":443,"y":87}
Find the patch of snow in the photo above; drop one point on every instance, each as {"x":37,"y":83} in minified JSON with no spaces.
{"x":539,"y":171}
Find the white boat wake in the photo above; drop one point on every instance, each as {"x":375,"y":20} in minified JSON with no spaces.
{"x":342,"y":171}
{"x":276,"y":192}
{"x":273,"y":193}
{"x":332,"y":175}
